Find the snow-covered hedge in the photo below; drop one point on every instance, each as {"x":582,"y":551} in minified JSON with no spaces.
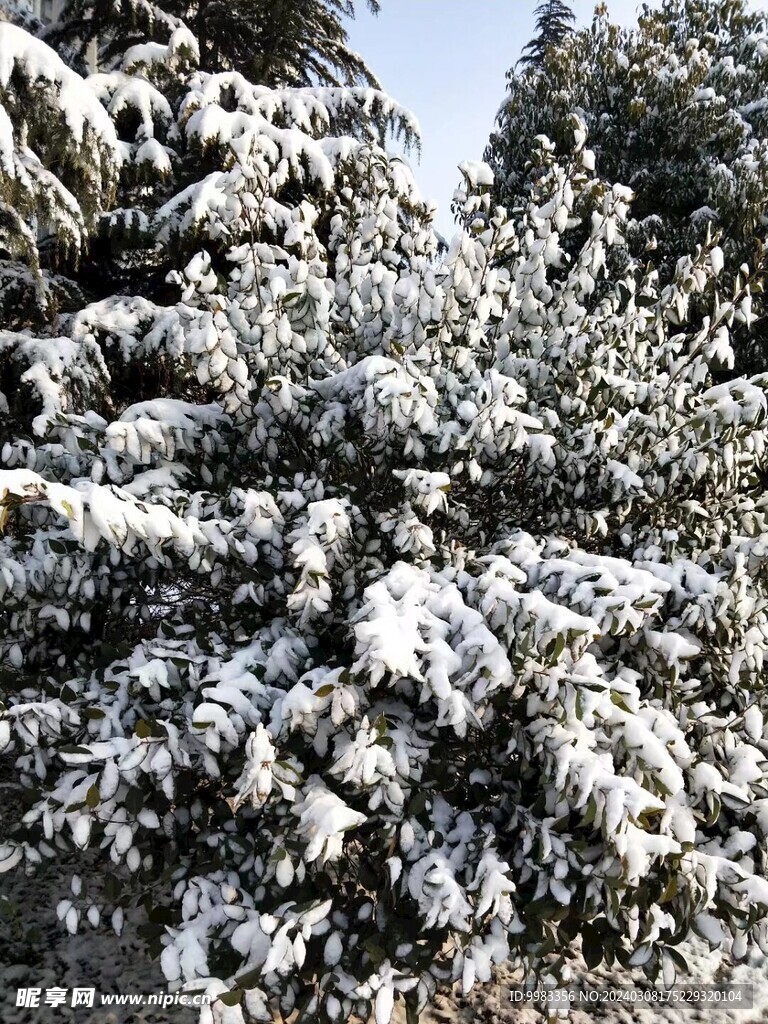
{"x":409,"y":614}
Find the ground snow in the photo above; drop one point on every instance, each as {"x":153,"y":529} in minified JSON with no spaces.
{"x":94,"y":958}
{"x":485,"y":1004}
{"x":98,"y":958}
{"x":35,"y":951}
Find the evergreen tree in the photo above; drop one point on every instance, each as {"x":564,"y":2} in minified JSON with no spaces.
{"x":554,"y":21}
{"x":369,"y":619}
{"x":59,"y":156}
{"x":675,"y":109}
{"x":174,"y":140}
{"x":271,"y":42}
{"x":124,"y":250}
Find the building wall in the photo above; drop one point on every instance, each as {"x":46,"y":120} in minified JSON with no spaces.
{"x":10,"y":10}
{"x":45,"y":11}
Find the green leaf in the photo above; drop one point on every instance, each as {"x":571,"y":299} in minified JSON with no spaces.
{"x":250,"y":979}
{"x":93,"y":796}
{"x":589,"y":815}
{"x":325,"y":691}
{"x":232,"y":998}
{"x":134,"y":800}
{"x":368,"y":876}
{"x":715,"y":808}
{"x":670,"y":890}
{"x":591,"y":947}
{"x":418,"y":803}
{"x":374,"y":951}
{"x":555,"y":647}
{"x":618,"y":700}
{"x":111,"y":888}
{"x":677,"y":958}
{"x":579,"y":705}
{"x":411,"y":1012}
{"x":162,"y":915}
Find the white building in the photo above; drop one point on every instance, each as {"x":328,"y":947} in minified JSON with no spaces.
{"x":45,"y":11}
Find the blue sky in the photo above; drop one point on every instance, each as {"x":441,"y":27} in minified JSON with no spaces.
{"x":445,"y":60}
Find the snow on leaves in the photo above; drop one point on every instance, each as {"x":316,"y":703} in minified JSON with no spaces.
{"x":415,"y":613}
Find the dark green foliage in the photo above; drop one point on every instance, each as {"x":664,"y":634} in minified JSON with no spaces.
{"x":271,"y":42}
{"x":554,"y":21}
{"x":675,"y":108}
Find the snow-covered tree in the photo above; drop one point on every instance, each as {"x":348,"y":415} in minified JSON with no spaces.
{"x":166,"y":112}
{"x":59,"y":156}
{"x":554,"y":21}
{"x":272,"y":42}
{"x":372,"y":618}
{"x":676,"y":109}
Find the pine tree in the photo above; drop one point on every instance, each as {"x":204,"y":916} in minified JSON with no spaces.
{"x":554,"y":22}
{"x":271,"y":42}
{"x":367,"y":619}
{"x":58,"y":169}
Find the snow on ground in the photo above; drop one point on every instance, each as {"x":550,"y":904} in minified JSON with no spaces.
{"x":36,"y":952}
{"x":98,"y":958}
{"x":488,"y":1005}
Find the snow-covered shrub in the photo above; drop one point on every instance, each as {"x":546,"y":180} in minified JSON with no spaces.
{"x":415,"y":619}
